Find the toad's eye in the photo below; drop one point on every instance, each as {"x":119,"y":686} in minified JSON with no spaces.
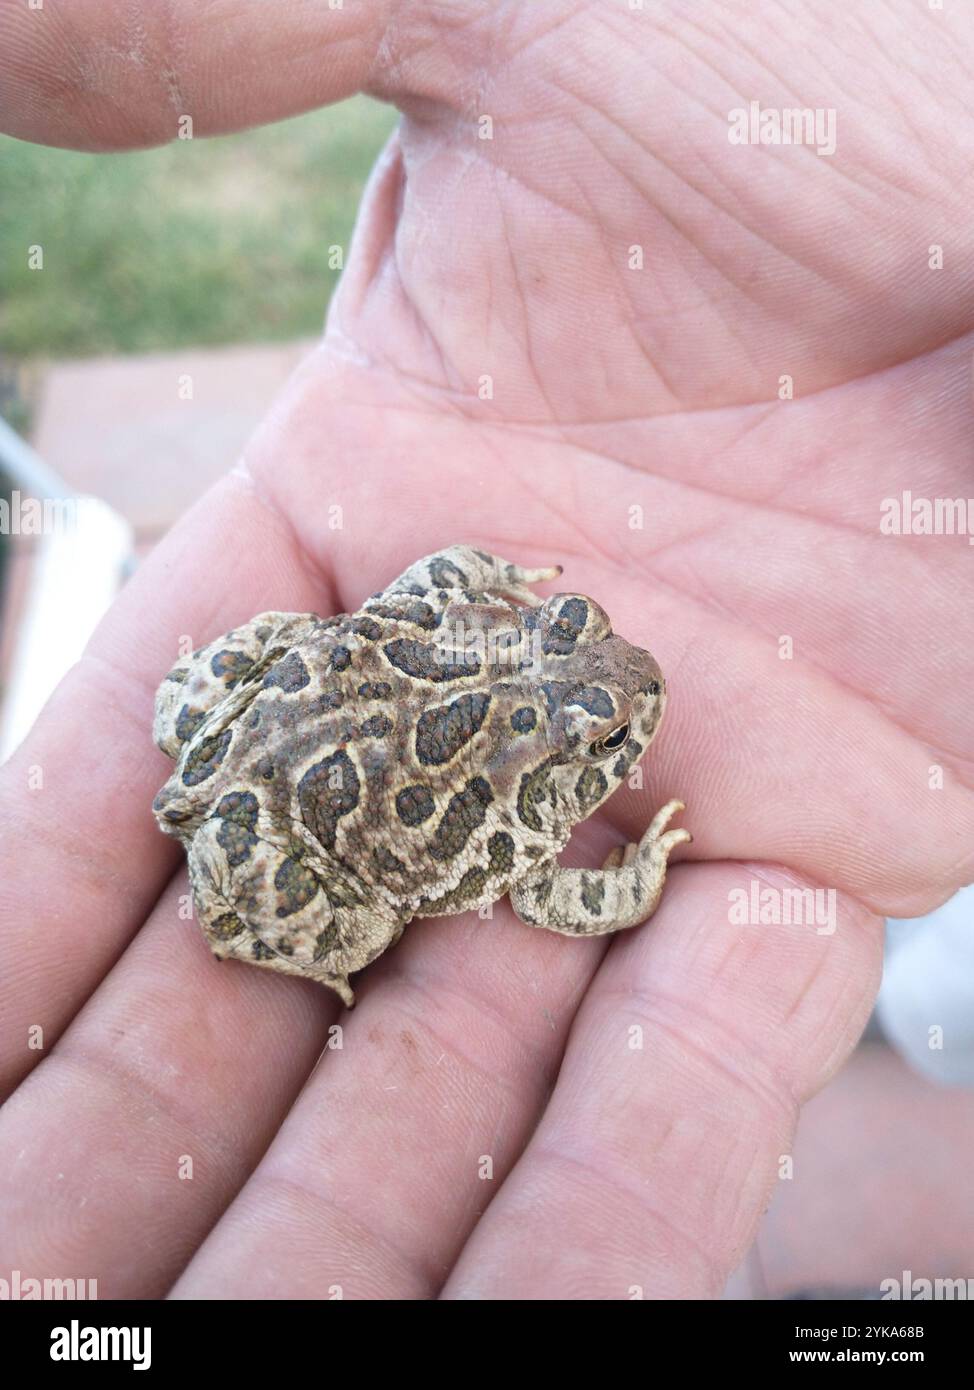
{"x":612,"y":742}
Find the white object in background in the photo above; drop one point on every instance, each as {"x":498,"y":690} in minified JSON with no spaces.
{"x":928,"y":984}
{"x":77,"y":571}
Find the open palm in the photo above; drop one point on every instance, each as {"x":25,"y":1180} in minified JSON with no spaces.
{"x":569,"y":342}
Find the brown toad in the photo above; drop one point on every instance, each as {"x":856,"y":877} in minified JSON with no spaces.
{"x":430,"y":753}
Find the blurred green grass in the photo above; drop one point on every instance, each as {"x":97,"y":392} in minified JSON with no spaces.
{"x":201,"y":242}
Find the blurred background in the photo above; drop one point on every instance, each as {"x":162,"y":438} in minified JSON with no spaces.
{"x":151,"y":305}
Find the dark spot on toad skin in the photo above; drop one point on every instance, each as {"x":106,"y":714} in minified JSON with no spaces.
{"x":574,"y":611}
{"x":170,"y":813}
{"x":375,"y":690}
{"x":555,"y":692}
{"x":367,"y":628}
{"x":500,"y":852}
{"x":289,"y":675}
{"x":594,"y":700}
{"x":188,"y":720}
{"x":340,"y":893}
{"x":326,"y":941}
{"x":177,"y":675}
{"x":523,"y":720}
{"x":593,"y":894}
{"x":565,"y":630}
{"x":626,"y":760}
{"x":415,"y":804}
{"x":590,"y":788}
{"x":238,"y":815}
{"x":427,"y":662}
{"x":236,"y":842}
{"x":265,"y":769}
{"x":340,"y":658}
{"x":536,"y":788}
{"x":442,"y":732}
{"x":296,"y":886}
{"x":419,"y":614}
{"x":227,"y":925}
{"x":422,"y":615}
{"x":240,"y":807}
{"x":446,"y":575}
{"x":386,"y":862}
{"x":469,"y":891}
{"x":204,"y":760}
{"x":377,"y":726}
{"x":261,"y":952}
{"x":327,"y":791}
{"x":465,"y":812}
{"x":230,"y":667}
{"x":325,"y":702}
{"x":652,"y":688}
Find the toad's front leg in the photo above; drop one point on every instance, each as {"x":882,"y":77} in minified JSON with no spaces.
{"x":592,"y":902}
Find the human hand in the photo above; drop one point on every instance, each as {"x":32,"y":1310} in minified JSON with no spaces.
{"x":618,"y":395}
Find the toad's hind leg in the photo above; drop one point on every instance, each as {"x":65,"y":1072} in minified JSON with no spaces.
{"x":280,"y":906}
{"x":199,"y":682}
{"x":464,"y":567}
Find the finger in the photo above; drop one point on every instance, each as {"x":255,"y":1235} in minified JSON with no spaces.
{"x":381,"y":1169}
{"x":676,"y":1100}
{"x":83,"y":860}
{"x":123,"y":1146}
{"x":102,"y":74}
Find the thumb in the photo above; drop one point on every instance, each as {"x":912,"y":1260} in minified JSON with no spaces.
{"x":117,"y":74}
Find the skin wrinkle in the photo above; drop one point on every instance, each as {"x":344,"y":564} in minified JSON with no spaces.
{"x":675,"y":1019}
{"x":927,"y":350}
{"x":420,"y":1272}
{"x":471,"y":998}
{"x":525,"y":315}
{"x":655,"y":366}
{"x":596,"y":1172}
{"x":152,"y":1100}
{"x":453,"y":397}
{"x":692,"y":242}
